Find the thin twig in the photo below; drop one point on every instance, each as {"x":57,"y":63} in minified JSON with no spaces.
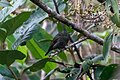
{"x":72,"y":54}
{"x":76,"y":50}
{"x":56,"y":6}
{"x":50,"y":73}
{"x":79,"y":73}
{"x":61,"y":63}
{"x":77,"y":42}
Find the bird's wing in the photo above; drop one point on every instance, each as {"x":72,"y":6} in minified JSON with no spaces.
{"x":51,"y":45}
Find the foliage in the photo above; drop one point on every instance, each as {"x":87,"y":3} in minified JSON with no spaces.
{"x":26,"y":32}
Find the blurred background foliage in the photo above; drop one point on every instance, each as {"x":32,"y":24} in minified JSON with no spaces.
{"x":26,"y":32}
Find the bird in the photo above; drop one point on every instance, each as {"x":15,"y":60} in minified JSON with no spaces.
{"x":59,"y":41}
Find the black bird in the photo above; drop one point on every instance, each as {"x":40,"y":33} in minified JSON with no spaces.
{"x":59,"y":41}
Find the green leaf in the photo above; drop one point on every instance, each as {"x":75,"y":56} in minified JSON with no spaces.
{"x":4,"y":71}
{"x":97,"y":72}
{"x":115,"y":19}
{"x":45,"y":1}
{"x":49,"y":66}
{"x":29,"y":27}
{"x":115,"y":7}
{"x":37,"y":52}
{"x":7,"y":57}
{"x":24,"y":50}
{"x":38,"y":65}
{"x":97,"y":58}
{"x":8,"y":10}
{"x":65,"y":70}
{"x":12,"y":24}
{"x":28,"y":34}
{"x":63,"y":56}
{"x":107,"y":46}
{"x":61,"y":7}
{"x":42,"y":38}
{"x":34,"y":76}
{"x":102,"y":34}
{"x":86,"y":65}
{"x":108,"y":72}
{"x":50,"y":4}
{"x":73,"y":74}
{"x":4,"y":3}
{"x":3,"y":34}
{"x":10,"y":40}
{"x":37,"y":16}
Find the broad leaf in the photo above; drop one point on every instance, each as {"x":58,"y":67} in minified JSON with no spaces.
{"x":115,"y":18}
{"x":50,"y":4}
{"x":24,"y":50}
{"x":34,"y":76}
{"x":114,"y":6}
{"x":29,"y":27}
{"x":10,"y":40}
{"x":4,"y":3}
{"x":97,"y":58}
{"x":97,"y":72}
{"x":45,"y":1}
{"x":38,"y":65}
{"x":28,"y":34}
{"x":86,"y":65}
{"x":61,"y":6}
{"x":107,"y":46}
{"x":7,"y":57}
{"x":4,"y":71}
{"x":3,"y":34}
{"x":8,"y":10}
{"x":49,"y":66}
{"x":108,"y":71}
{"x":42,"y":38}
{"x":12,"y":24}
{"x":37,"y":52}
{"x":63,"y":56}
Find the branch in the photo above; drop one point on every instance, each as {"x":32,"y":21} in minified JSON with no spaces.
{"x":61,"y":63}
{"x":74,"y":26}
{"x":56,"y":6}
{"x":50,"y":73}
{"x":79,"y":56}
{"x":79,"y":41}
